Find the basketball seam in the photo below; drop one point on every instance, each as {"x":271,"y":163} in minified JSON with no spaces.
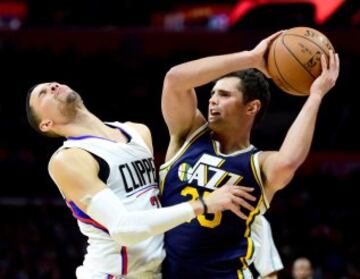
{"x":296,"y":35}
{"x":279,"y":72}
{"x":293,"y":54}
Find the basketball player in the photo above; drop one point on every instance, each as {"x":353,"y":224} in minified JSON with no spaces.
{"x":106,"y":174}
{"x":205,"y":154}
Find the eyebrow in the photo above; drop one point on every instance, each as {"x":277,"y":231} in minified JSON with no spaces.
{"x":220,"y":90}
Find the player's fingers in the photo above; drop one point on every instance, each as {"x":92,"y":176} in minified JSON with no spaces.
{"x":324,"y":65}
{"x":337,"y":62}
{"x":274,"y":36}
{"x":242,"y":194}
{"x":244,"y":188}
{"x":238,"y":212}
{"x":332,"y":59}
{"x":242,"y":203}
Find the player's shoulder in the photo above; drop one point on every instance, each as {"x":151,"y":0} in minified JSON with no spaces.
{"x":139,"y":127}
{"x":66,"y":157}
{"x":143,"y":131}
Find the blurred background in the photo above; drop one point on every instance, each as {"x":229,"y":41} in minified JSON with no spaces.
{"x":115,"y":54}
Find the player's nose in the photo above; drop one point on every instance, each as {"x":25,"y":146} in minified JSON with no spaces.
{"x":213,"y":99}
{"x":54,"y":86}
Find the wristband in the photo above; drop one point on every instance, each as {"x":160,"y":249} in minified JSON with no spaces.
{"x":203,"y":204}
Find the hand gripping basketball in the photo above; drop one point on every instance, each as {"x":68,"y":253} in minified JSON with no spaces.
{"x":294,"y":59}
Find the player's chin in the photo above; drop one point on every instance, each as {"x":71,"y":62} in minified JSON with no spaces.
{"x":214,"y":118}
{"x":73,"y":97}
{"x":214,"y":124}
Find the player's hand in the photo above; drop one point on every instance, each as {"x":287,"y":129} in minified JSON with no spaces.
{"x":328,"y":76}
{"x":260,"y":53}
{"x":230,"y":197}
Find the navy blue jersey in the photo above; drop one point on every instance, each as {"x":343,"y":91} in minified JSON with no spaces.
{"x":212,"y":245}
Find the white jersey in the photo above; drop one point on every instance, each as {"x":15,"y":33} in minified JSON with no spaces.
{"x":132,"y":177}
{"x":266,"y":257}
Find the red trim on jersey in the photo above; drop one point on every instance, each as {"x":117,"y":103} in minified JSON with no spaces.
{"x":148,"y":189}
{"x":124,"y":260}
{"x":91,"y":222}
{"x":85,"y":218}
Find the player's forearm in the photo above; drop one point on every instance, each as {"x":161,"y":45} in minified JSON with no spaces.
{"x":202,"y":71}
{"x":297,"y":143}
{"x":131,"y":227}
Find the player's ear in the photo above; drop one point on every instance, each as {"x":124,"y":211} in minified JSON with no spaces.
{"x":253,"y":107}
{"x":45,"y":125}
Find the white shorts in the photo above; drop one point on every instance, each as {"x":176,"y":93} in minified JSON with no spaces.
{"x":84,"y":273}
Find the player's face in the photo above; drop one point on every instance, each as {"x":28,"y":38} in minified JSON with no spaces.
{"x":226,"y":105}
{"x":302,"y":269}
{"x":54,"y":103}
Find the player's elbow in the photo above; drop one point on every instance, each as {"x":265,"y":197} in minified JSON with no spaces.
{"x":131,"y":235}
{"x":173,"y":78}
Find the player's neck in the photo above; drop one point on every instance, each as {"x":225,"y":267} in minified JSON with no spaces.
{"x":231,"y":142}
{"x":89,"y":124}
{"x":84,"y":123}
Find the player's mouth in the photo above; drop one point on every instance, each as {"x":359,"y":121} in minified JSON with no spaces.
{"x":213,"y":114}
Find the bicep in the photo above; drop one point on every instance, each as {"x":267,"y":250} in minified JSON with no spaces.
{"x":75,"y":172}
{"x":275,"y":170}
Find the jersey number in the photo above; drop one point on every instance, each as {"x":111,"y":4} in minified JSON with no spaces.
{"x":203,"y":220}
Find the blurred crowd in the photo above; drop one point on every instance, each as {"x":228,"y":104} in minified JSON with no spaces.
{"x":39,"y":241}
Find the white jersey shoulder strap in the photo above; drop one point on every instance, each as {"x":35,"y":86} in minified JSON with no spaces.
{"x":131,"y":132}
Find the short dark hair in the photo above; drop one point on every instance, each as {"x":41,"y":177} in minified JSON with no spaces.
{"x":254,"y":87}
{"x":33,"y":118}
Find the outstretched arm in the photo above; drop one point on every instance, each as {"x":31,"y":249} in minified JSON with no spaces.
{"x":279,"y":167}
{"x":75,"y":172}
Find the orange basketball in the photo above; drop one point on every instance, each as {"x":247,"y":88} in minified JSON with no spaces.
{"x":294,"y":59}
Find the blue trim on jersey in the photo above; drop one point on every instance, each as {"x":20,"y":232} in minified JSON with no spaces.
{"x":78,"y":211}
{"x":127,"y":135}
{"x":83,"y":217}
{"x":88,"y":137}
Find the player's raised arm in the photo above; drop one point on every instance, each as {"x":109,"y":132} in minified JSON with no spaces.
{"x":279,"y":167}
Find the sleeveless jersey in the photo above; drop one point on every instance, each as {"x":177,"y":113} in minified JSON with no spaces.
{"x":213,"y":245}
{"x":132,"y":177}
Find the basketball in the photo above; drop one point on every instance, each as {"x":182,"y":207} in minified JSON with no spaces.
{"x":294,"y":59}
